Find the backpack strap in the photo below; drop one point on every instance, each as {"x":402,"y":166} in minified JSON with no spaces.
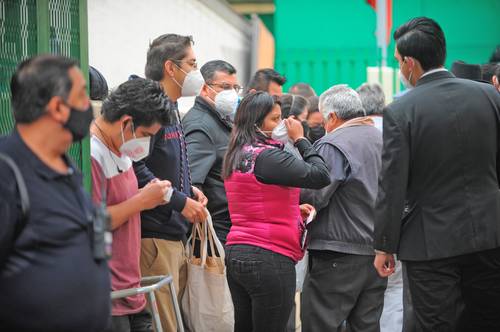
{"x":23,"y":193}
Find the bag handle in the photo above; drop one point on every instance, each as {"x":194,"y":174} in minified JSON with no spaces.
{"x":205,"y":231}
{"x":213,"y":239}
{"x":196,"y":233}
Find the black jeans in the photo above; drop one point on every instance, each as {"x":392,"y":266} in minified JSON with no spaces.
{"x":457,"y":294}
{"x":262,"y":285}
{"x":139,"y":322}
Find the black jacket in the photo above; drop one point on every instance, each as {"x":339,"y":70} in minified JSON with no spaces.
{"x":167,"y":160}
{"x":440,"y":152}
{"x":207,"y":138}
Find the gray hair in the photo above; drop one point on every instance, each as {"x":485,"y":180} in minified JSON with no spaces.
{"x":373,"y":98}
{"x":342,"y":100}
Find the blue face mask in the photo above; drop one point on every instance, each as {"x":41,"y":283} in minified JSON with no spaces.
{"x":233,"y":114}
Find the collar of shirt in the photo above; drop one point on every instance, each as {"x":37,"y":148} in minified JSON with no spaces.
{"x":432,"y":71}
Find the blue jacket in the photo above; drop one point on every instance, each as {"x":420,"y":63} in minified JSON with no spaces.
{"x":167,"y":160}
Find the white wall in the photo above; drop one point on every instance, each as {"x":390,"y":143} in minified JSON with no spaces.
{"x":120,"y":32}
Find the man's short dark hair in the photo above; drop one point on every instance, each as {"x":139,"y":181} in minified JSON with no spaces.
{"x":36,"y":81}
{"x":165,"y":47}
{"x":261,"y":79}
{"x":488,"y":71}
{"x":209,"y":69}
{"x":142,"y":99}
{"x":423,"y":39}
{"x":302,"y":89}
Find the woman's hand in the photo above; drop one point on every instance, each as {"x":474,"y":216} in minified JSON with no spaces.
{"x":305,"y":210}
{"x":294,"y":128}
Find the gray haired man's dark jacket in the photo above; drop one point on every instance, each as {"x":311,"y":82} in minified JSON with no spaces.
{"x":345,"y":219}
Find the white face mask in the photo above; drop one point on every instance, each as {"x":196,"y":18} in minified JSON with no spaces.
{"x":280,"y":133}
{"x":226,"y":102}
{"x":193,"y":82}
{"x":137,"y":148}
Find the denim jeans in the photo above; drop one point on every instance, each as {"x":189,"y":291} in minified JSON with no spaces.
{"x":262,"y":285}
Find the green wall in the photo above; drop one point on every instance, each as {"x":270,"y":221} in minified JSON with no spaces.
{"x":326,"y":42}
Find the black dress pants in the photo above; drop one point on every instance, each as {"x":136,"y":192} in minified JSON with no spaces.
{"x":460,"y":293}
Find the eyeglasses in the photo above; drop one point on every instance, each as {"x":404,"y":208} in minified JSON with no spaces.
{"x":192,"y":63}
{"x":227,"y":86}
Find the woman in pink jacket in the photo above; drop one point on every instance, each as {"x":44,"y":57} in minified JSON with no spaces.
{"x":262,"y":183}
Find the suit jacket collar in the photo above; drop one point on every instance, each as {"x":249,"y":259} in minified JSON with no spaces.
{"x":434,"y":76}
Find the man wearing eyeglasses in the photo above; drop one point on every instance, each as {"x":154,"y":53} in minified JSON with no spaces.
{"x":171,"y":61}
{"x":207,"y":126}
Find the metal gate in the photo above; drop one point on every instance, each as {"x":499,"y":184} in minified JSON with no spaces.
{"x":29,"y":27}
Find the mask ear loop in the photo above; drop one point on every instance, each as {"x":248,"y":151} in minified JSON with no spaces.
{"x":213,"y":90}
{"x":173,"y":79}
{"x":133,"y":128}
{"x":411,"y":72}
{"x":261,"y":131}
{"x":291,"y":106}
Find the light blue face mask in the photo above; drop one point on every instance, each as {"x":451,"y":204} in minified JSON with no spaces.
{"x":233,"y":114}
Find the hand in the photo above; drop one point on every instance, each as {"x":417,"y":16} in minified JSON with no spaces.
{"x":200,"y":196}
{"x":153,"y":193}
{"x":384,"y":264}
{"x":194,"y":211}
{"x":305,"y":210}
{"x":295,"y":129}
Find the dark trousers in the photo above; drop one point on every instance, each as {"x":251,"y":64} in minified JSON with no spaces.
{"x":409,"y":320}
{"x":262,"y":285}
{"x":457,"y":294}
{"x":139,"y":322}
{"x":342,"y":288}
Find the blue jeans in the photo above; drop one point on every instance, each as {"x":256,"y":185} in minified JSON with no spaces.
{"x":262,"y":285}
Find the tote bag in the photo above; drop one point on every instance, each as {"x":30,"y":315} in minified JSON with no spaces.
{"x":206,"y":302}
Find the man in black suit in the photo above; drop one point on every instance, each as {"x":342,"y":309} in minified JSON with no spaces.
{"x":441,"y":157}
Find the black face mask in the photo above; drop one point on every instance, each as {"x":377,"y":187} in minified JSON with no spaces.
{"x":79,"y":122}
{"x":315,"y":133}
{"x":305,"y":126}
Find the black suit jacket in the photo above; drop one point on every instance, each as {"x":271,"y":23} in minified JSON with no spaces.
{"x":441,"y":157}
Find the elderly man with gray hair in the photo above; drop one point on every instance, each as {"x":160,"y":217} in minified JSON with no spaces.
{"x":373,"y":100}
{"x":342,"y":285}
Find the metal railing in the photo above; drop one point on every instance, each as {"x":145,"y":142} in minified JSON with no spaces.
{"x":153,"y":284}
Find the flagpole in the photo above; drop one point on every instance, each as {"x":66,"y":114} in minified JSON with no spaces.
{"x":381,"y":9}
